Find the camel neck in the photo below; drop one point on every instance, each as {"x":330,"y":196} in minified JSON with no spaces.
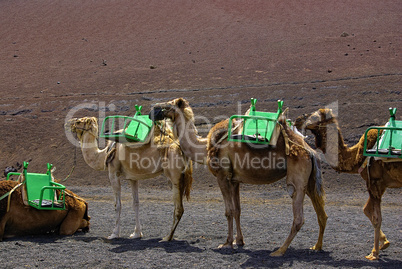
{"x":193,"y":146}
{"x":341,"y":157}
{"x":94,"y":157}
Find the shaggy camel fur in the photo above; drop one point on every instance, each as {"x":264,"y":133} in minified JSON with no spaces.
{"x":233,"y":163}
{"x":134,"y":162}
{"x":378,"y":174}
{"x":26,"y":220}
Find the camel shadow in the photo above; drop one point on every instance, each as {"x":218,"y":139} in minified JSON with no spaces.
{"x":124,"y":245}
{"x":43,"y":239}
{"x":292,"y":257}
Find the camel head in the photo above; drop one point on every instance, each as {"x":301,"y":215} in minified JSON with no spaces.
{"x":81,"y":125}
{"x":315,"y":122}
{"x":172,"y":110}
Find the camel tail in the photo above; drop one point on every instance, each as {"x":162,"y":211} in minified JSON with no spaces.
{"x":187,"y":178}
{"x":316,"y":187}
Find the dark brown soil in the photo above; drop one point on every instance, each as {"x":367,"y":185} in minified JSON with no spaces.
{"x":96,"y":58}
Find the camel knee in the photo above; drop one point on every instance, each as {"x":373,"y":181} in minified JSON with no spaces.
{"x":323,"y":220}
{"x":84,"y":224}
{"x":178,"y":212}
{"x":298,"y":223}
{"x":368,"y":210}
{"x":136,"y":204}
{"x":376,"y":222}
{"x":229,"y":214}
{"x":374,"y":218}
{"x":291,"y":190}
{"x":68,"y":229}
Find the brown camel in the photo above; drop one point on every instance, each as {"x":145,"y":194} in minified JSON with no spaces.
{"x":378,"y":174}
{"x":134,"y":162}
{"x":234,"y":163}
{"x":26,"y":220}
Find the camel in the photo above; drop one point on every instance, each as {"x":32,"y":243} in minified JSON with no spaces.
{"x":161,"y":155}
{"x":378,"y":174}
{"x":26,"y":220}
{"x":233,"y":163}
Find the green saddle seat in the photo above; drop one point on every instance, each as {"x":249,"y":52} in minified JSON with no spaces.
{"x":133,"y":129}
{"x":258,"y":126}
{"x":41,"y":190}
{"x":389,"y":143}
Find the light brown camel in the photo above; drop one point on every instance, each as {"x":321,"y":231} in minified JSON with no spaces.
{"x":234,"y":163}
{"x":161,"y":155}
{"x":26,"y":220}
{"x":378,"y":174}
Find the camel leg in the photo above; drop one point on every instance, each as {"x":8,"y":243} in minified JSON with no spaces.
{"x":178,"y":210}
{"x":368,"y":211}
{"x":116,"y":186}
{"x":298,"y":219}
{"x":384,"y":243}
{"x":372,"y":210}
{"x":72,"y":222}
{"x":177,"y":178}
{"x":226,"y":188}
{"x":2,"y":228}
{"x":136,"y":206}
{"x":237,"y":212}
{"x":318,"y":203}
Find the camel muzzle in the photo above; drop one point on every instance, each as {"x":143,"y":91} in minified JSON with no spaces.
{"x":156,"y":114}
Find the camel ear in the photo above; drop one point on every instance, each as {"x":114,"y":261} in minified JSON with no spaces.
{"x":90,"y":120}
{"x":180,"y":103}
{"x":328,"y":114}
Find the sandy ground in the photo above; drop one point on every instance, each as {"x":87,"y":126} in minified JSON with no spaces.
{"x":63,"y":59}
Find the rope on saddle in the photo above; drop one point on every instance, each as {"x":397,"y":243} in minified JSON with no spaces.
{"x":368,"y":173}
{"x":9,"y":194}
{"x":73,"y":196}
{"x":226,"y":134}
{"x":162,"y":129}
{"x":287,"y":140}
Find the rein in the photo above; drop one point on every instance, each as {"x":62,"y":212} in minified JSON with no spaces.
{"x":72,"y":168}
{"x":75,"y":152}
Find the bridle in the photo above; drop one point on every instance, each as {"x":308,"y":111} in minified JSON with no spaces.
{"x":86,"y":128}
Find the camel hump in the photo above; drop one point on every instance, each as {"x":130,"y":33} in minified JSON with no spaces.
{"x":216,"y":137}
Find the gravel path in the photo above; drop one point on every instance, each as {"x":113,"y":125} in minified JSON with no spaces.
{"x":266,"y":220}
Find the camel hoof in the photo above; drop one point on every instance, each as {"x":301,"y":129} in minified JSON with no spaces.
{"x":276,"y":253}
{"x":113,"y":236}
{"x":316,"y":248}
{"x":239,"y":243}
{"x":225,"y":246}
{"x":372,"y":257}
{"x":166,"y":239}
{"x":136,"y":235}
{"x":385,"y":245}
